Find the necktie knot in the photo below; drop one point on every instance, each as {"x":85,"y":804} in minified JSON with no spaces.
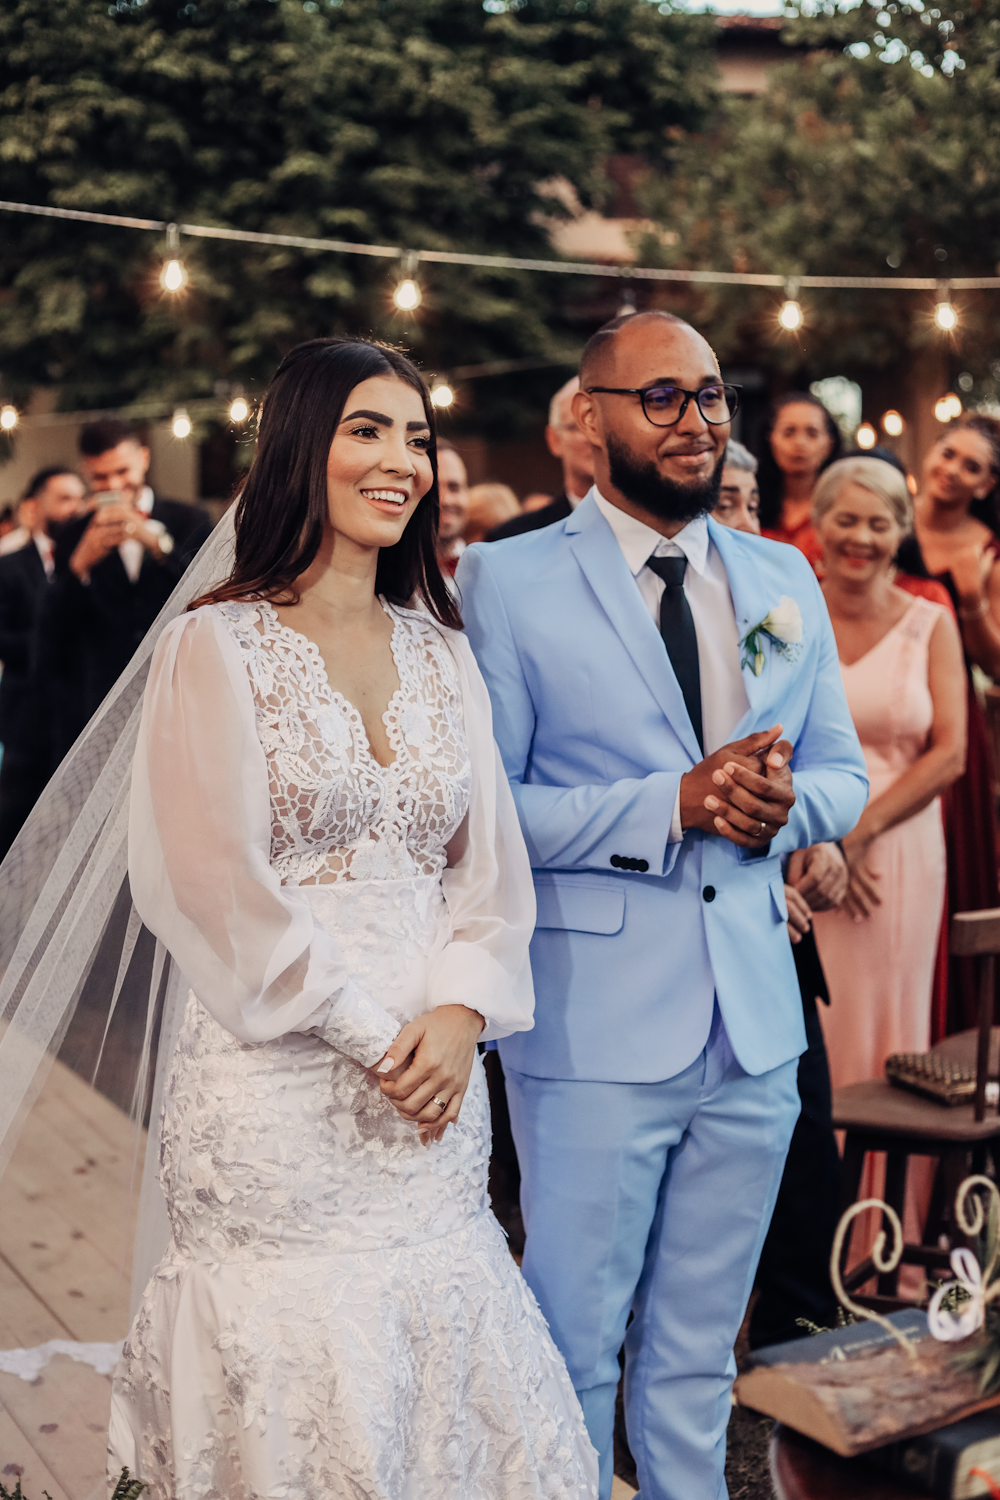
{"x":670,"y":569}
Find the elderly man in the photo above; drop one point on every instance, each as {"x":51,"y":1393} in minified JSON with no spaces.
{"x":115,"y":568}
{"x":664,"y":752}
{"x":567,"y":443}
{"x":738,"y":504}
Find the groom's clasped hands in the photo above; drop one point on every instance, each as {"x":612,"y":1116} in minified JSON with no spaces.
{"x":743,"y":791}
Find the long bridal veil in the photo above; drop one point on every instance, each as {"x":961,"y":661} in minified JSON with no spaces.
{"x":82,"y":979}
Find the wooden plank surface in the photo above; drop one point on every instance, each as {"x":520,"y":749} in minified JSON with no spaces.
{"x":65,"y":1251}
{"x":70,"y":1198}
{"x":62,"y":1416}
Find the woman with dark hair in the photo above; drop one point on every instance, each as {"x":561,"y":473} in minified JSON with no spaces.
{"x":321,"y":839}
{"x":956,"y":525}
{"x":799,"y":440}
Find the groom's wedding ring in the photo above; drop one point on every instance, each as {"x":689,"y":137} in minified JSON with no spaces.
{"x":763,"y":829}
{"x":441,"y":1103}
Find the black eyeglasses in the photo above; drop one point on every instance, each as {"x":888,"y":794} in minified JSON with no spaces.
{"x":664,"y":405}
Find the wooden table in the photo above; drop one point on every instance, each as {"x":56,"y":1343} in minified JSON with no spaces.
{"x":804,"y":1470}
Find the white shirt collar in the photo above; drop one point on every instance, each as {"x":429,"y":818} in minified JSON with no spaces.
{"x":145,"y":501}
{"x":639,"y":542}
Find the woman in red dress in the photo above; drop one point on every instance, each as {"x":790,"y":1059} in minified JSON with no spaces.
{"x":800,"y":439}
{"x":956,"y":526}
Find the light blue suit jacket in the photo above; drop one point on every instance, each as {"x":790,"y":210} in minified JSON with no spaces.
{"x":595,"y":737}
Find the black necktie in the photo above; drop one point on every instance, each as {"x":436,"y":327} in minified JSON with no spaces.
{"x":677,"y":630}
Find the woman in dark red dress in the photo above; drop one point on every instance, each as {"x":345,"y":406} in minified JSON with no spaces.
{"x":956,"y":526}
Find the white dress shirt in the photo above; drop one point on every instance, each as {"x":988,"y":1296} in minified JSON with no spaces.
{"x":706,"y":586}
{"x":46,"y":551}
{"x":131,"y":551}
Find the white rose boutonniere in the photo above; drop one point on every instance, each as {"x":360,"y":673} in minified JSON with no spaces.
{"x":783,"y":624}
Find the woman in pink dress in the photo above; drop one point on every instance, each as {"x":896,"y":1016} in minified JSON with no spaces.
{"x":901,"y":660}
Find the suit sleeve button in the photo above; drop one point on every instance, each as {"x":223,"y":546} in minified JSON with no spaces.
{"x":709,"y":893}
{"x":643,"y":866}
{"x":616,"y":860}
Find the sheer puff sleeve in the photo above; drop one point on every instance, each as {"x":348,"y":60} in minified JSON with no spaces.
{"x":199,"y":857}
{"x":488,"y":885}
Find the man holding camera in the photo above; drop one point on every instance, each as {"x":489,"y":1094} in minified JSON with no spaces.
{"x":115,"y":568}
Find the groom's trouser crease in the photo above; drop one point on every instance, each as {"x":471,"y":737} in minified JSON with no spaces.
{"x":655,"y":1197}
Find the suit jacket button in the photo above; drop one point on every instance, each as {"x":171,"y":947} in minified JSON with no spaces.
{"x":709,"y":893}
{"x":616,"y":860}
{"x":642,"y":865}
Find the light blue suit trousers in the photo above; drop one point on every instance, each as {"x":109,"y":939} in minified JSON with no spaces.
{"x":653,"y":1198}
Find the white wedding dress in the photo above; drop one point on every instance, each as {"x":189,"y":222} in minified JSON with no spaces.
{"x":338,"y":1316}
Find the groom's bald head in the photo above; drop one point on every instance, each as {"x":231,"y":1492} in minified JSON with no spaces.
{"x":598,"y":360}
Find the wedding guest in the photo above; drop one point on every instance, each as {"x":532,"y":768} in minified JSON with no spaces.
{"x":901,"y":663}
{"x":53,"y":496}
{"x":453,"y":483}
{"x":956,"y":525}
{"x":115,"y":568}
{"x":738,"y":504}
{"x":653,"y":1102}
{"x":566,"y":442}
{"x":793,"y":1276}
{"x":800,"y":439}
{"x":489,"y":506}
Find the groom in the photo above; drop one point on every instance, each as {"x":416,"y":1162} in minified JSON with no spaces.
{"x":653,"y":1102}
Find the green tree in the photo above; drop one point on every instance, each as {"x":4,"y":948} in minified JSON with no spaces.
{"x":877,"y":153}
{"x":422,"y":123}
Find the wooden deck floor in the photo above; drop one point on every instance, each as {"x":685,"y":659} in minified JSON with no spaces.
{"x":65,"y":1250}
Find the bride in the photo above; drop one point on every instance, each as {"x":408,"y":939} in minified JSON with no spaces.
{"x":322,"y":837}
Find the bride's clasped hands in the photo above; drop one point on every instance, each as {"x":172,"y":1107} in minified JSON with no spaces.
{"x":425,"y":1072}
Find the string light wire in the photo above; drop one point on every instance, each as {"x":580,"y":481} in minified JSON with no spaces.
{"x":512,"y":262}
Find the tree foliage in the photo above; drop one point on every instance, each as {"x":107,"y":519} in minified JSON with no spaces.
{"x":419,"y":123}
{"x":877,"y":153}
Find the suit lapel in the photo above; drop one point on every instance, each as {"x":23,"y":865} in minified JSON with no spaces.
{"x":600,"y":557}
{"x":751,"y":602}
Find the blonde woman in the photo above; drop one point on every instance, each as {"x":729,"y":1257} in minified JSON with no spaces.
{"x":901,"y":662}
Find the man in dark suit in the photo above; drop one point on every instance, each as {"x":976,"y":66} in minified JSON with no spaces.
{"x":567,"y":443}
{"x":53,"y":497}
{"x":115,"y":568}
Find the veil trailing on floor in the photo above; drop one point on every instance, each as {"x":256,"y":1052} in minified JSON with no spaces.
{"x":82,"y":978}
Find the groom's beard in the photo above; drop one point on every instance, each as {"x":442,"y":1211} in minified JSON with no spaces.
{"x":640,"y":481}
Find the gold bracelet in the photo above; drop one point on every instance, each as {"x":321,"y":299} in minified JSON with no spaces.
{"x":981,"y":609}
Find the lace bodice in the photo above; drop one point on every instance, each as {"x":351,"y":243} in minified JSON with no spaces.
{"x":336,"y":813}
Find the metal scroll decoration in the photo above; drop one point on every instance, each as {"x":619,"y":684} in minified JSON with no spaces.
{"x":958,"y":1308}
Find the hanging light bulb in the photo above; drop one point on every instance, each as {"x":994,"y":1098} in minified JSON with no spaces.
{"x":948,"y":407}
{"x":181,"y":425}
{"x":8,"y":418}
{"x":239,"y":409}
{"x":407,"y":294}
{"x":892,"y":423}
{"x":442,"y":395}
{"x":945,"y":314}
{"x":866,"y":436}
{"x":173,"y":277}
{"x":790,"y":314}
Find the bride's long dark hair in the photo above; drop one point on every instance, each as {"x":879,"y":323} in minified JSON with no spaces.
{"x":283,"y":507}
